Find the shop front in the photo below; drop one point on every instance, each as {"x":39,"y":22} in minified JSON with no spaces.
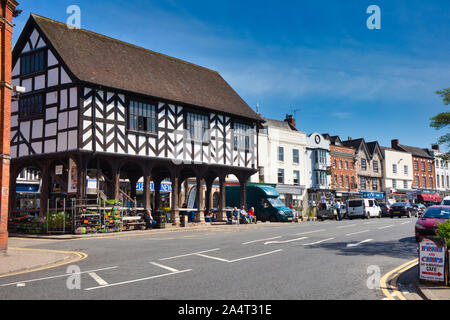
{"x":292,"y":195}
{"x":429,"y":198}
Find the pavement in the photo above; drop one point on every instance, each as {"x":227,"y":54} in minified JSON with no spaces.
{"x":17,"y":261}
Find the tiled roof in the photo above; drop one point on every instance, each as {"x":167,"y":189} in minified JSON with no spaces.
{"x":101,"y":60}
{"x":415,"y":151}
{"x":278,"y":124}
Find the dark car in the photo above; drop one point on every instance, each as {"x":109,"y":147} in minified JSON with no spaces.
{"x":384,"y":209}
{"x":420,"y":208}
{"x":403,"y":209}
{"x":427,"y":224}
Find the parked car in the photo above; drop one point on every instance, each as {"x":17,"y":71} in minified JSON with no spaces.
{"x":401,"y":209}
{"x":446,"y":201}
{"x":385,"y":207}
{"x":363,"y":208}
{"x":427,"y":224}
{"x":420,"y":208}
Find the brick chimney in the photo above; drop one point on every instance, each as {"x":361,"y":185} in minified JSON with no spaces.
{"x":290,"y":119}
{"x":394,"y":144}
{"x":435,"y":147}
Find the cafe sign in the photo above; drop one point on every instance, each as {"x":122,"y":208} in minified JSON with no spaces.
{"x":432,"y":260}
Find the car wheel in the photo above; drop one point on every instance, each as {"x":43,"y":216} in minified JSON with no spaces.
{"x":367,"y":216}
{"x":409,"y":214}
{"x":379,"y":215}
{"x":273,"y":219}
{"x":392,"y":217}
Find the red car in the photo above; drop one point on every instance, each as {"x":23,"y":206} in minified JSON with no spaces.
{"x":428,"y":222}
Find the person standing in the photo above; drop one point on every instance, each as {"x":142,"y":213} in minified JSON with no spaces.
{"x":323,"y":202}
{"x":337,"y":206}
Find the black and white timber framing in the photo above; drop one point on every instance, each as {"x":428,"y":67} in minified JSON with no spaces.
{"x":86,"y":121}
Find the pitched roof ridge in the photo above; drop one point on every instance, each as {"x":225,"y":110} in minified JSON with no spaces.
{"x":34,"y":15}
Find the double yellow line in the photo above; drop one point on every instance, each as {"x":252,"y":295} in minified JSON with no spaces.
{"x":78,"y":257}
{"x":391,"y":286}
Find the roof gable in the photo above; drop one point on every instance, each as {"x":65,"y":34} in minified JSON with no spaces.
{"x":100,"y":60}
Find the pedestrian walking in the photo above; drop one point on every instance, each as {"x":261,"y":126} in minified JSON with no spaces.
{"x":337,"y":206}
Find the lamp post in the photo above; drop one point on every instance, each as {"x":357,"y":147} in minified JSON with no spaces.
{"x":7,"y":12}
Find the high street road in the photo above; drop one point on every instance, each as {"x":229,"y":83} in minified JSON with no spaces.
{"x":267,"y":261}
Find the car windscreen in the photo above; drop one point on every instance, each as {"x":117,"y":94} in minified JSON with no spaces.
{"x":355,"y":203}
{"x":446,"y":203}
{"x":437,"y":213}
{"x":402,"y":204}
{"x":275,"y":202}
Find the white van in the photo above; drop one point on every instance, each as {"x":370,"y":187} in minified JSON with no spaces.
{"x":363,"y":208}
{"x":446,"y":201}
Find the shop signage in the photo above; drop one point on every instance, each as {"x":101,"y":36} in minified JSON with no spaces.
{"x":59,"y":170}
{"x":432,"y":260}
{"x":72,"y":177}
{"x":92,"y":184}
{"x":165,"y":187}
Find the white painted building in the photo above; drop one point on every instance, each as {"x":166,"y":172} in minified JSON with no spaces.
{"x":442,"y":172}
{"x":398,"y":174}
{"x":318,"y":174}
{"x":282,"y":160}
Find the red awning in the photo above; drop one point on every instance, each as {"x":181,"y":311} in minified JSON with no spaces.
{"x":430,"y":197}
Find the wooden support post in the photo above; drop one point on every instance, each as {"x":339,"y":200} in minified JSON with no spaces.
{"x":175,"y":215}
{"x":221,"y":214}
{"x":200,"y":215}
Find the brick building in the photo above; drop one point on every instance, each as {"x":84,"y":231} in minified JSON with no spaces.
{"x":424,"y":171}
{"x":343,"y":168}
{"x":8,"y":11}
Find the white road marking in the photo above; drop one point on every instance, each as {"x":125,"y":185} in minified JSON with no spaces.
{"x":256,"y":256}
{"x":311,"y":244}
{"x":370,"y":222}
{"x":54,"y":277}
{"x":164,"y":267}
{"x":19,"y":285}
{"x":189,"y":254}
{"x":287,"y":241}
{"x":343,"y":227}
{"x":354,"y":233}
{"x":261,"y":240}
{"x":405,"y":223}
{"x":209,"y":257}
{"x":390,"y":226}
{"x":357,"y":244}
{"x":138,"y":280}
{"x":303,"y":233}
{"x":99,"y":280}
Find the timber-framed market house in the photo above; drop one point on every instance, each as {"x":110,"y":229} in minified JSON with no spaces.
{"x":96,"y":107}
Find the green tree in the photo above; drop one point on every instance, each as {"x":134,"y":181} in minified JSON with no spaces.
{"x":442,"y":120}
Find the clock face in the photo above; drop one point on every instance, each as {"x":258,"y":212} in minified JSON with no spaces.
{"x":317,"y":139}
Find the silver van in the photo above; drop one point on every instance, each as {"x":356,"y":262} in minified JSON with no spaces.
{"x":363,"y":208}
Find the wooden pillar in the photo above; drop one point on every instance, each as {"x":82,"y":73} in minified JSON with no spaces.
{"x":116,"y":185}
{"x":45,"y":190}
{"x":157,"y":184}
{"x":221,"y":214}
{"x":133,"y":184}
{"x":147,"y":179}
{"x":200,"y":215}
{"x":175,"y":215}
{"x":208,"y":206}
{"x":243,"y":182}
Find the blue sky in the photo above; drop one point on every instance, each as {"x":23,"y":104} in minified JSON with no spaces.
{"x":313,"y":55}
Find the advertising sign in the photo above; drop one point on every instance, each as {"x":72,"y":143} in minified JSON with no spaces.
{"x":432,"y":260}
{"x":59,"y":170}
{"x":72,"y":177}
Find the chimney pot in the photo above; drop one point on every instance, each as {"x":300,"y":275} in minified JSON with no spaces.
{"x":435,"y":147}
{"x":290,"y":119}
{"x":394,"y":143}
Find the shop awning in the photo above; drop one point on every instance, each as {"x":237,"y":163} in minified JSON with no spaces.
{"x":430,"y":197}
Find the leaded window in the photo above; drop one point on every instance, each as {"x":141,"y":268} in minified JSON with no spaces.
{"x":142,"y":116}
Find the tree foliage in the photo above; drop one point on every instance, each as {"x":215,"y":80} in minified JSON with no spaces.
{"x":442,"y":120}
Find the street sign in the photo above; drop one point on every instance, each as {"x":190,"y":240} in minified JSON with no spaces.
{"x":59,"y":170}
{"x":432,"y":260}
